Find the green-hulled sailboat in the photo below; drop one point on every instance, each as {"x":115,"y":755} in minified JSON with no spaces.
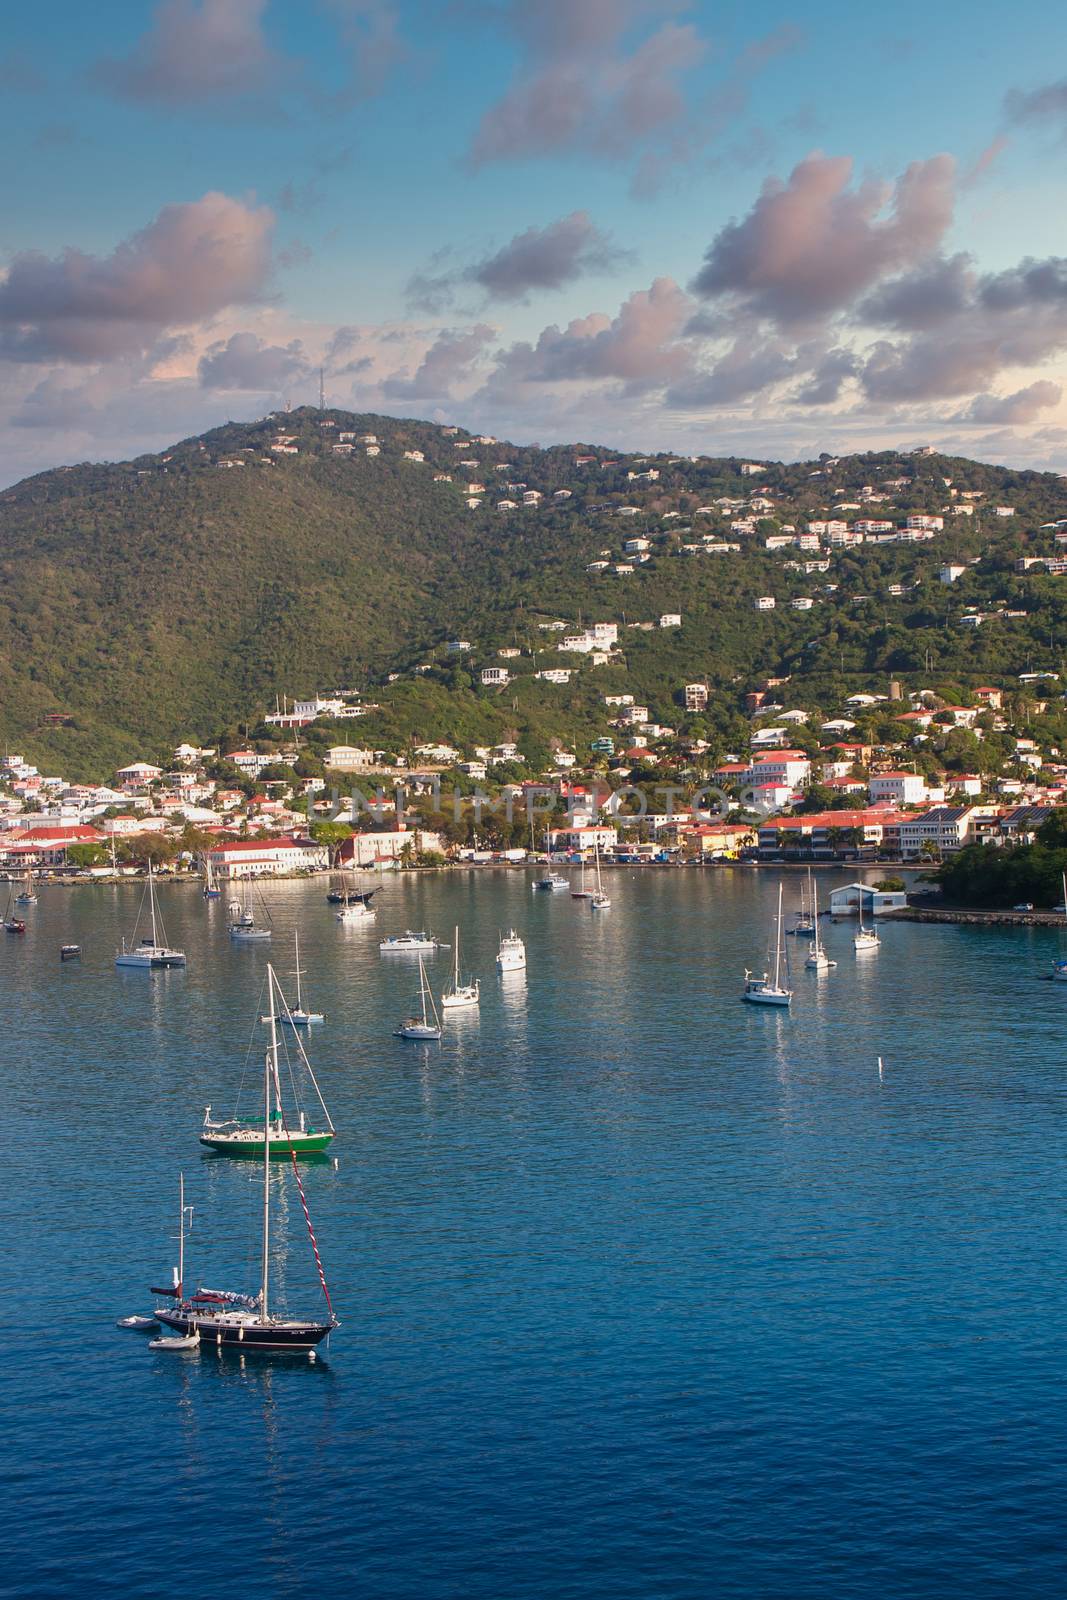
{"x":288,"y":1132}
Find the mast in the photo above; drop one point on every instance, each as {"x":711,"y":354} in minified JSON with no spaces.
{"x":296,"y":940}
{"x":422,"y":992}
{"x":270,"y":1060}
{"x":455,"y":937}
{"x":181,"y":1235}
{"x":596,"y":857}
{"x":152,"y":903}
{"x":815,"y":918}
{"x":778,"y":942}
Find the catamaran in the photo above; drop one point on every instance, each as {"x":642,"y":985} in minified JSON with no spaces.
{"x":600,"y":900}
{"x":818,"y":960}
{"x":299,"y":1016}
{"x":765,"y":991}
{"x":151,"y":951}
{"x":461,"y":995}
{"x":221,"y":1318}
{"x":511,"y":957}
{"x":420,"y":1025}
{"x":247,"y":1136}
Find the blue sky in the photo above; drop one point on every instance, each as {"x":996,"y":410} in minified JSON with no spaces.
{"x":665,"y":225}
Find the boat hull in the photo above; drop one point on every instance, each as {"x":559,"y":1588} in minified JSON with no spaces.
{"x":764,"y":997}
{"x":149,"y":962}
{"x":247,"y":1335}
{"x":278,"y":1149}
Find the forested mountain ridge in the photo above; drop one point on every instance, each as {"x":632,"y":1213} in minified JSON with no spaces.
{"x":174,"y":595}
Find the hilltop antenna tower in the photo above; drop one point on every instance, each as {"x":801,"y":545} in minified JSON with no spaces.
{"x":322,"y":389}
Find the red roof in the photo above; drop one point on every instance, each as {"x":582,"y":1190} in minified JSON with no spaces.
{"x":282,"y":841}
{"x":837,"y":819}
{"x":76,"y":831}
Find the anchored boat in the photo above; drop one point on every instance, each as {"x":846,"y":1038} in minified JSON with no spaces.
{"x":222,"y":1318}
{"x":152,"y":951}
{"x":277,"y":1132}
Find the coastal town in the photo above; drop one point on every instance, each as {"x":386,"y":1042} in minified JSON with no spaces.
{"x":838,"y":791}
{"x":630,"y":721}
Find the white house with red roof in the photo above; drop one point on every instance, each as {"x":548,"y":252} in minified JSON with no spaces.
{"x":899,"y":788}
{"x":267,"y":856}
{"x":44,"y":847}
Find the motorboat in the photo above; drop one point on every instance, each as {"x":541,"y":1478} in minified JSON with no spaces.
{"x":511,"y":956}
{"x":409,"y":943}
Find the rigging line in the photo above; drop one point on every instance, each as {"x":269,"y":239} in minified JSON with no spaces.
{"x":248,"y":1049}
{"x":307,"y":1216}
{"x":311,"y":1074}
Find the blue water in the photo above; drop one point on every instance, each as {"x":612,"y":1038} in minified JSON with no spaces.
{"x":644,"y":1293}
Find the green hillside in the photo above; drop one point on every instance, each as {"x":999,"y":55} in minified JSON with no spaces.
{"x":175,"y":596}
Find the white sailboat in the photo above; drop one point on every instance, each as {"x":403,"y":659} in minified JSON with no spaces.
{"x":420,"y":1026}
{"x":804,"y":923}
{"x":818,"y":960}
{"x":766,"y":991}
{"x":211,"y":890}
{"x":246,"y":929}
{"x":358,"y":911}
{"x":552,"y":881}
{"x":600,"y":900}
{"x":152,"y":951}
{"x":461,"y":996}
{"x":299,"y":1016}
{"x":28,"y":897}
{"x":864,"y":939}
{"x":511,"y":957}
{"x":582,"y":893}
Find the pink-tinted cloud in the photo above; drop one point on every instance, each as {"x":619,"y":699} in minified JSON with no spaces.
{"x":245,"y":361}
{"x":450,"y":360}
{"x":811,"y":245}
{"x":538,"y":259}
{"x":641,"y":347}
{"x":195,"y":51}
{"x":192,"y":261}
{"x":1013,"y":410}
{"x":587,"y":81}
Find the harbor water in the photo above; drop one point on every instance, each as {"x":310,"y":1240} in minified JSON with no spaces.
{"x":643,"y":1292}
